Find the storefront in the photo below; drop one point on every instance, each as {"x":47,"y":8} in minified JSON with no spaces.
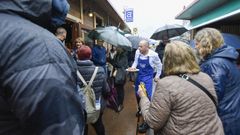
{"x":85,"y":15}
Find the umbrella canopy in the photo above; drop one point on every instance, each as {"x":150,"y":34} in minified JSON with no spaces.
{"x":232,"y":40}
{"x":111,"y":35}
{"x":136,"y":39}
{"x":152,"y":41}
{"x":168,"y":31}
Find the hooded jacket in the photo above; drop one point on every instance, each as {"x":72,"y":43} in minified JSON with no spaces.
{"x":38,"y":82}
{"x":221,"y":66}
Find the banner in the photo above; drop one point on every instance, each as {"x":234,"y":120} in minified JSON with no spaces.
{"x":128,"y":15}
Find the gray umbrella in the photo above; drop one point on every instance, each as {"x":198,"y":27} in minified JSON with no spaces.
{"x":136,"y":39}
{"x":111,"y":35}
{"x":168,"y":31}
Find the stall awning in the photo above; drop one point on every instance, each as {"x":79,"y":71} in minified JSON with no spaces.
{"x":198,"y":8}
{"x":228,"y":9}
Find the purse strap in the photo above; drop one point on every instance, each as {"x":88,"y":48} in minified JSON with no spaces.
{"x":186,"y":77}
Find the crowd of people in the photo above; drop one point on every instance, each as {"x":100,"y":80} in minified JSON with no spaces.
{"x":197,"y":92}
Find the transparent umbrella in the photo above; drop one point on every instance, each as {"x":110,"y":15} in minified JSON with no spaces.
{"x":168,"y":31}
{"x":111,"y":35}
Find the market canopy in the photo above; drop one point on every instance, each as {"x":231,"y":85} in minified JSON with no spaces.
{"x":211,"y":13}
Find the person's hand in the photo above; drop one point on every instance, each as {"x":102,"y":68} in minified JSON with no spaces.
{"x":156,"y":79}
{"x":131,"y":68}
{"x":141,"y":92}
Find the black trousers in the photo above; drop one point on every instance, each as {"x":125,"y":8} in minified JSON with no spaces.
{"x":98,"y":126}
{"x":120,"y":92}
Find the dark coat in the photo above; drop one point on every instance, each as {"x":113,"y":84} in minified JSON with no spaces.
{"x":38,"y":82}
{"x":160,"y":50}
{"x":100,"y":86}
{"x":221,"y":66}
{"x":120,"y":60}
{"x":120,"y":63}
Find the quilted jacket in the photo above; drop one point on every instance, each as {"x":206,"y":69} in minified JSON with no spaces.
{"x":180,"y":108}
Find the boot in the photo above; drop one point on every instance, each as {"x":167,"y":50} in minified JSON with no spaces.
{"x":143,"y":128}
{"x":120,"y":108}
{"x":138,"y":113}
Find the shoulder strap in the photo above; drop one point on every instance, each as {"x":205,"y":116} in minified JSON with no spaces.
{"x":93,"y":76}
{"x":186,"y":77}
{"x":81,"y":78}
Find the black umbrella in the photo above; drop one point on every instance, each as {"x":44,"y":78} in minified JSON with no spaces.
{"x":168,"y":31}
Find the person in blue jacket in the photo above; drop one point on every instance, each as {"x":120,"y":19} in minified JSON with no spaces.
{"x":219,"y":62}
{"x":38,"y":81}
{"x":99,"y":55}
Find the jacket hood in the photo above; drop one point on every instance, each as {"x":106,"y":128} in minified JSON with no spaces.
{"x":41,"y":12}
{"x":38,"y":11}
{"x":225,"y":52}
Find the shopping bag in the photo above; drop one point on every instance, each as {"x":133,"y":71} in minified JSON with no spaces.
{"x":112,"y":101}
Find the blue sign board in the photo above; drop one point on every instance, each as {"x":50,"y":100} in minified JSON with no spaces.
{"x":128,"y":15}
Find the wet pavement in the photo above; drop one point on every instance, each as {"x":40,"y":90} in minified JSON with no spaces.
{"x":125,"y":122}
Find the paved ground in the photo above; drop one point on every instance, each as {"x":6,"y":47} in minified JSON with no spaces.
{"x":125,"y":122}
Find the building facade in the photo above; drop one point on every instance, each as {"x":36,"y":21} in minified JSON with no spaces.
{"x":85,"y":15}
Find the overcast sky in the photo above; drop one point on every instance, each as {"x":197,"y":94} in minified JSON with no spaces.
{"x":151,"y":14}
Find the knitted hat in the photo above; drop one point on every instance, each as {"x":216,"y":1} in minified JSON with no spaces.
{"x":84,"y":53}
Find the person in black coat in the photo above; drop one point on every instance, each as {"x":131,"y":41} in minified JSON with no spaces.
{"x":131,"y":56}
{"x":120,"y":64}
{"x":100,"y":86}
{"x":160,"y":50}
{"x":161,"y":47}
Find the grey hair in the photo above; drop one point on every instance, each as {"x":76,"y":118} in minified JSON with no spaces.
{"x":145,"y":42}
{"x":60,"y":31}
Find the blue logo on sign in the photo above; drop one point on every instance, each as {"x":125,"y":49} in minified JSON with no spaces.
{"x":129,"y":15}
